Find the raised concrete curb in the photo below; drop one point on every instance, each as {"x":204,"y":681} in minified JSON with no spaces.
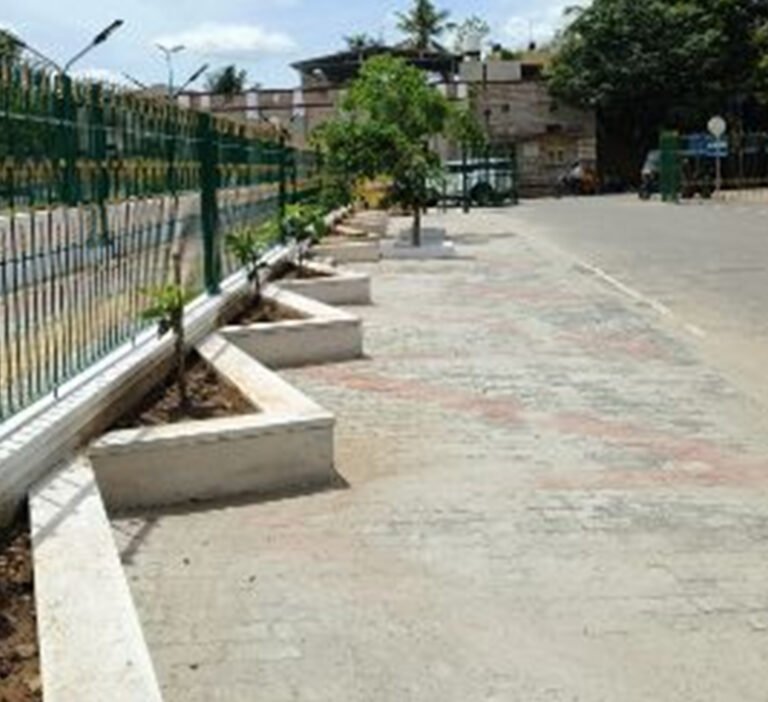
{"x":348,"y":250}
{"x":287,"y":445}
{"x":91,"y":644}
{"x":324,"y":335}
{"x":38,"y":438}
{"x":434,"y":244}
{"x":335,"y":287}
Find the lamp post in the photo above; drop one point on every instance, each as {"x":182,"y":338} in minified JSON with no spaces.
{"x":192,"y":79}
{"x":100,"y":38}
{"x":168,"y":52}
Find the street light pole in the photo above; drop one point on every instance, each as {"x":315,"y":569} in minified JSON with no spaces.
{"x":168,"y":52}
{"x":192,"y":79}
{"x":100,"y":38}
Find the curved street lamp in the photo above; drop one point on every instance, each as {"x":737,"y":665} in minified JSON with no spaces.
{"x":100,"y":38}
{"x":168,"y":52}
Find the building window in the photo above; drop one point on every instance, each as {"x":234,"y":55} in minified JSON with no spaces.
{"x":505,"y":108}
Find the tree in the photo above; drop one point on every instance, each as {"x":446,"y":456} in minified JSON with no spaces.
{"x":645,"y":65}
{"x":471,"y":27}
{"x":361,"y":41}
{"x":422,"y":23}
{"x":227,"y":81}
{"x":248,"y":245}
{"x":167,"y":309}
{"x":465,"y":129}
{"x":10,"y":49}
{"x":392,"y":113}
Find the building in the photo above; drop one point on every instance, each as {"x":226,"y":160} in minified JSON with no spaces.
{"x":508,"y":95}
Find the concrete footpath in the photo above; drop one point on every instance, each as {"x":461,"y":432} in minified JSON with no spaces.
{"x":551,"y":499}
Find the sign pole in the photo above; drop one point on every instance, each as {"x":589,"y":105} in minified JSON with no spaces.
{"x":717,"y":127}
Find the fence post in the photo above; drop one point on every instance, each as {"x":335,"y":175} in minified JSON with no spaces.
{"x":98,"y":152}
{"x":515,"y":195}
{"x":669,"y":167}
{"x":282,"y":187}
{"x":70,"y":190}
{"x":209,"y":207}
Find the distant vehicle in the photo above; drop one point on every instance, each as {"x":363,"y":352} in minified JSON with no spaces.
{"x":489,"y":181}
{"x":697,"y":171}
{"x":649,"y":175}
{"x":580,"y":178}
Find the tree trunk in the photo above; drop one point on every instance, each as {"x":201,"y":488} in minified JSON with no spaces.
{"x":181,"y":367}
{"x":178,"y":332}
{"x":416,"y":240}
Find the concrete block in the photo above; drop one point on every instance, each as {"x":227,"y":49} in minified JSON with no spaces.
{"x":91,"y":644}
{"x":335,"y":287}
{"x":287,"y":445}
{"x":349,"y":251}
{"x":324,"y":335}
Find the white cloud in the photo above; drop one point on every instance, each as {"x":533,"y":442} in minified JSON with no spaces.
{"x":241,"y":41}
{"x":544,"y":22}
{"x":100,"y":75}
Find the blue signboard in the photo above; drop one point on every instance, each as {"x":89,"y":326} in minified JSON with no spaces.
{"x":704,"y":146}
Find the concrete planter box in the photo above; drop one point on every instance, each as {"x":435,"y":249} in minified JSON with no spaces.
{"x":349,"y":250}
{"x":334,"y":287}
{"x":324,"y":335}
{"x":434,"y":244}
{"x":288,"y":445}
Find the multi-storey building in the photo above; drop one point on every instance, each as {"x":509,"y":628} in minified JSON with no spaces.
{"x":509,"y":96}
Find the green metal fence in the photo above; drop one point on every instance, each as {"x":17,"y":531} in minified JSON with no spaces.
{"x":98,"y":188}
{"x":698,"y":165}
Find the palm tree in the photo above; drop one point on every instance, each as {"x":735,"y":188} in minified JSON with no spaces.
{"x":360,"y":41}
{"x":227,"y":81}
{"x":422,"y":23}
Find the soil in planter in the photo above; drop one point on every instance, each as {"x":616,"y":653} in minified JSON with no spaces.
{"x":209,"y":397}
{"x":293,"y":272}
{"x":19,"y":656}
{"x":266,"y":311}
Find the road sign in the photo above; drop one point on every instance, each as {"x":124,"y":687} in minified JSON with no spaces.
{"x":717,"y":148}
{"x":717,"y":127}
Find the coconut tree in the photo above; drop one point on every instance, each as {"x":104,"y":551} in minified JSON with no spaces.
{"x":422,"y":23}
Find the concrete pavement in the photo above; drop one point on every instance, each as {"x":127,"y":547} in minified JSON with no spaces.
{"x":551,"y":498}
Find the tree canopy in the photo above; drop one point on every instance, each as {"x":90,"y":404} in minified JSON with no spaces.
{"x":391,"y":113}
{"x":360,"y":41}
{"x":661,"y":54}
{"x":227,"y":81}
{"x":663,"y":63}
{"x":422,"y":23}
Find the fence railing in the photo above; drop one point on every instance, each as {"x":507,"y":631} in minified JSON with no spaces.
{"x":732,"y":168}
{"x":97,"y":188}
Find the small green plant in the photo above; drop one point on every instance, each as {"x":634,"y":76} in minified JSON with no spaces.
{"x":248,"y":245}
{"x":305,"y":224}
{"x":167,"y":309}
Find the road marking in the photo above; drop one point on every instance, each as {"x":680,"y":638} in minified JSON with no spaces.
{"x":659,"y":307}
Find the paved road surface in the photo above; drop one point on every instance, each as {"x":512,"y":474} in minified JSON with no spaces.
{"x":551,"y":499}
{"x":705,"y":262}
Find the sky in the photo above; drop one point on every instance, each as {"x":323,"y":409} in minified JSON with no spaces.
{"x":262,"y":36}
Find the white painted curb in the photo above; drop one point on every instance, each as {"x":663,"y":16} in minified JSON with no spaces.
{"x":288,"y":445}
{"x":325,"y":335}
{"x":335,"y":286}
{"x":91,"y":644}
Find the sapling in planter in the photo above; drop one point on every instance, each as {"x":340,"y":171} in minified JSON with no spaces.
{"x":167,"y":309}
{"x":306,"y":225}
{"x":248,"y":245}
